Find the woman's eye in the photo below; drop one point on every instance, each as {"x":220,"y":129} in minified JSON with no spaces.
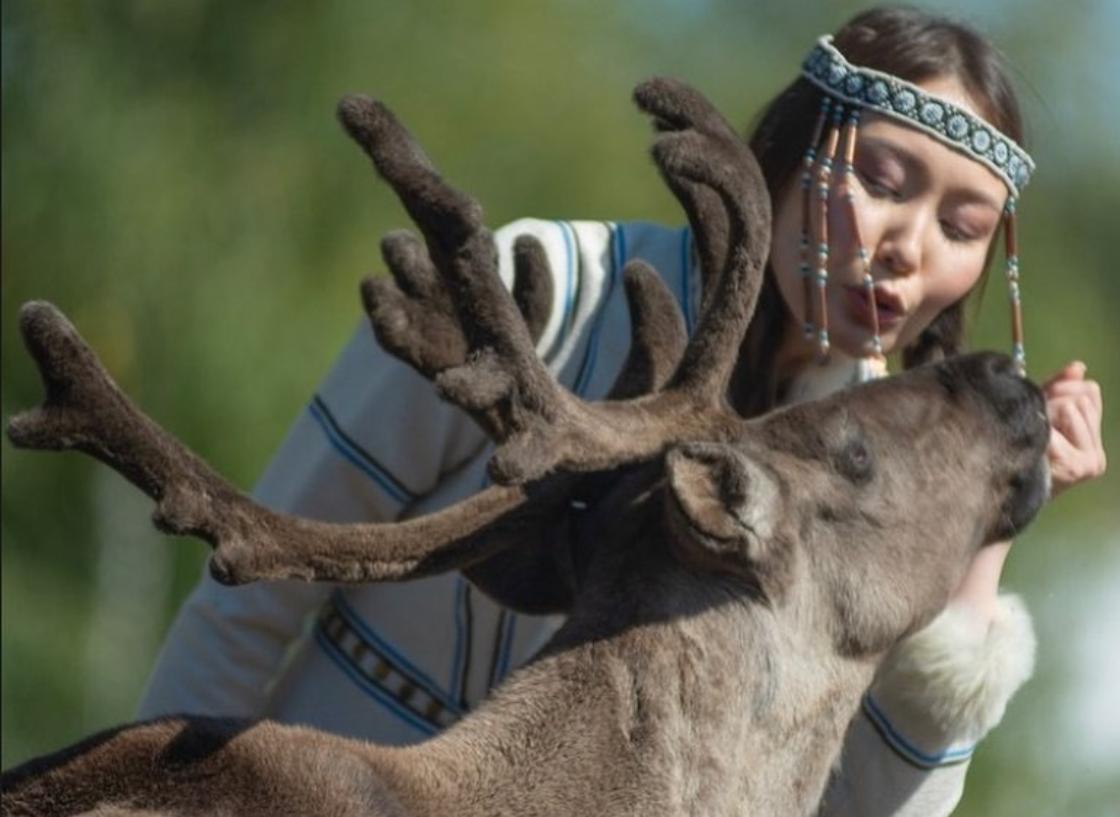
{"x":955,"y":233}
{"x":877,"y":186}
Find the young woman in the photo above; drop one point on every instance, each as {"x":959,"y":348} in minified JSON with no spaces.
{"x":396,"y":663}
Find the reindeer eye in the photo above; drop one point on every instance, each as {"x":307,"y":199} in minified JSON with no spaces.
{"x":855,"y":462}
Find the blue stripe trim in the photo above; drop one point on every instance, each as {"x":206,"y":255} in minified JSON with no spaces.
{"x":356,"y":449}
{"x":386,"y":481}
{"x":906,"y":750}
{"x":618,"y":259}
{"x":686,"y":279}
{"x":416,"y":674}
{"x":569,"y":316}
{"x":455,"y":681}
{"x":506,"y":652}
{"x":380,"y":695}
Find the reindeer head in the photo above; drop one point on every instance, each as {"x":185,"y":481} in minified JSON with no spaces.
{"x":863,"y":493}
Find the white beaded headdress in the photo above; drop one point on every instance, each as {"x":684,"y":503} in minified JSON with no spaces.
{"x":848,"y":89}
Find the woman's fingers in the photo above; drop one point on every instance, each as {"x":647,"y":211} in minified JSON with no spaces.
{"x":1074,"y":370}
{"x":1076,"y":450}
{"x":1075,"y":409}
{"x":1075,"y":388}
{"x":1068,"y":418}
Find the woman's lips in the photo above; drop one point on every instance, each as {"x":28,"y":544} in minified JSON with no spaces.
{"x":889,"y":307}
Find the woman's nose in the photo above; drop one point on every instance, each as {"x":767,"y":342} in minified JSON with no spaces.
{"x":899,"y":250}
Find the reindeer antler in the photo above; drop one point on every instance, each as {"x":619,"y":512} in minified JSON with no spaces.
{"x":481,"y":329}
{"x":85,"y":410}
{"x":543,"y":428}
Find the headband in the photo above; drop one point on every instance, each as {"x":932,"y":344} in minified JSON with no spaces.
{"x":951,"y":124}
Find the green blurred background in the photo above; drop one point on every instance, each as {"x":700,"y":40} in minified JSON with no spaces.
{"x":174,"y":179}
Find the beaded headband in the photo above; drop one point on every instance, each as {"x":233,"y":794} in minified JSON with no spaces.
{"x":957,"y":127}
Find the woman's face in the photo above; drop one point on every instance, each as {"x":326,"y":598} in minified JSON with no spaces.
{"x":926,"y":214}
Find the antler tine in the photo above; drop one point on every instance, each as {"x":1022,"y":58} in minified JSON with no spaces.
{"x":657,"y":333}
{"x":460,"y":246}
{"x":411,"y":312}
{"x":706,"y":215}
{"x":86,"y":411}
{"x":447,"y":217}
{"x":532,"y":284}
{"x":722,"y":189}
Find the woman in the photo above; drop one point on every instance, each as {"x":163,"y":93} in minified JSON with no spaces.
{"x":396,"y":663}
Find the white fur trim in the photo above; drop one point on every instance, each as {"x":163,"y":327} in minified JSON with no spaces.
{"x":816,"y":380}
{"x":950,"y":682}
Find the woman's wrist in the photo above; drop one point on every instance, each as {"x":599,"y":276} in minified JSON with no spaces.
{"x":979,"y":589}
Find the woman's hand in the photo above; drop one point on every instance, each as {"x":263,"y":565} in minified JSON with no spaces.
{"x":1074,"y":408}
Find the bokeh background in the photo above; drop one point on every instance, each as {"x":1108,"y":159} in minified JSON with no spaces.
{"x":174,"y":179}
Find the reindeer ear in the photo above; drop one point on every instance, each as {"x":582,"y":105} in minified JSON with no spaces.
{"x":723,"y":507}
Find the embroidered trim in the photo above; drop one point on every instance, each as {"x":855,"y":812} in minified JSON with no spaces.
{"x":382,"y":671}
{"x":395,"y":656}
{"x":956,"y":127}
{"x":367,"y":685}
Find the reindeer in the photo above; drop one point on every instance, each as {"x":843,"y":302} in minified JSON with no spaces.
{"x":728,"y":597}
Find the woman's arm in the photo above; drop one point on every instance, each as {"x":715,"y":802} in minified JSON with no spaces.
{"x":373,"y":440}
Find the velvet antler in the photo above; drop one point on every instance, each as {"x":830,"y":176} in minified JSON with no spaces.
{"x":439,"y":314}
{"x":541,"y":427}
{"x":86,"y":411}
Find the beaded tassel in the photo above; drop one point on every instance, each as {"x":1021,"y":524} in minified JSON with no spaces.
{"x":846,"y":194}
{"x":806,"y":184}
{"x":1011,"y":252}
{"x":824,"y":177}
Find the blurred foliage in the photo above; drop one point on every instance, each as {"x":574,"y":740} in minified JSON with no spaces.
{"x":174,"y":179}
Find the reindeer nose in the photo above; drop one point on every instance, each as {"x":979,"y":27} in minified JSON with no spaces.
{"x":1017,"y":402}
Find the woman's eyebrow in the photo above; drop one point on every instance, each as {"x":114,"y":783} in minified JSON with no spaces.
{"x":918,"y":166}
{"x":910,"y":162}
{"x":969,"y":195}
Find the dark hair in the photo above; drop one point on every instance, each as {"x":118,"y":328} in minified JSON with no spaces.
{"x":913,"y":45}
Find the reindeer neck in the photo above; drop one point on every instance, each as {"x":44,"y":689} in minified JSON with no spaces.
{"x":663,"y":703}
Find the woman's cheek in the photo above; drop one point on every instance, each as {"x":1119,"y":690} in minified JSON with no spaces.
{"x":956,"y":277}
